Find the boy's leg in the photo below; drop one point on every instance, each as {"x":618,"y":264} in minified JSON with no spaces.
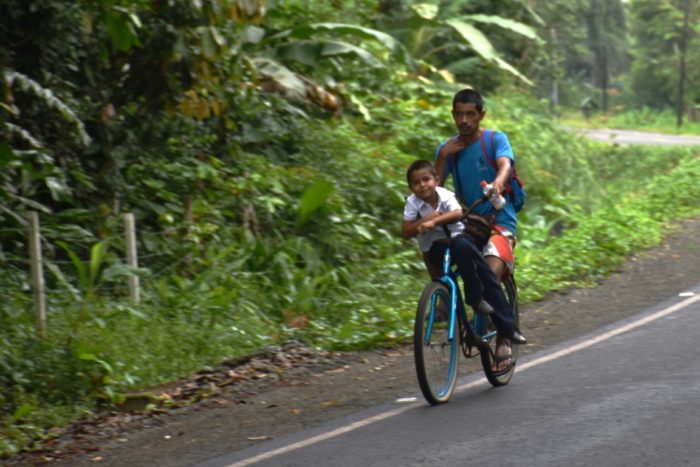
{"x":433,"y":267}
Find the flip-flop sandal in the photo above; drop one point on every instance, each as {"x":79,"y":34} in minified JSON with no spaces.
{"x":497,"y":359}
{"x":500,"y":359}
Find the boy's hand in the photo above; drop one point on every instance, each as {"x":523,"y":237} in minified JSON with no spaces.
{"x":428,"y":221}
{"x":425,"y":226}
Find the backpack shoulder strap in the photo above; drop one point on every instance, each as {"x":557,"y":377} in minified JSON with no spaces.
{"x":488,"y":154}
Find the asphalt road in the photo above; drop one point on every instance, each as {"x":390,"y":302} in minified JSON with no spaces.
{"x":627,"y":394}
{"x":629,"y":137}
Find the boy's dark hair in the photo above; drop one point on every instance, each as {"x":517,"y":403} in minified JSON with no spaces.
{"x":420,"y":164}
{"x":469,"y":96}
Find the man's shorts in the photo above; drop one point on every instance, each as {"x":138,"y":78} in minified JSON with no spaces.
{"x":501,"y":246}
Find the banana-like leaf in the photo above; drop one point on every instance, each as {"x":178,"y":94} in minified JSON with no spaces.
{"x":478,"y":41}
{"x":388,"y":41}
{"x":335,"y":48}
{"x":283,"y":76}
{"x":313,"y":198}
{"x":502,"y":64}
{"x":481,"y":45}
{"x":505,"y":23}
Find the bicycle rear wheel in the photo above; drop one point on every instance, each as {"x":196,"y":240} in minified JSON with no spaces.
{"x":436,"y":356}
{"x":501,"y":378}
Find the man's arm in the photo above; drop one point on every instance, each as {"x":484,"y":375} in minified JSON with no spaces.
{"x":504,"y":172}
{"x":453,"y":146}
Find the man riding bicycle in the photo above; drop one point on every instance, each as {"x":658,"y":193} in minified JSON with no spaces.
{"x":482,"y":261}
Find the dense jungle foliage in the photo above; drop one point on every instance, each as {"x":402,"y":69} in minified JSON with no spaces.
{"x":262,"y":148}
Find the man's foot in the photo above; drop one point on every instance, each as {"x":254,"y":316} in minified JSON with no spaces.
{"x":484,"y":308}
{"x":503,"y":359}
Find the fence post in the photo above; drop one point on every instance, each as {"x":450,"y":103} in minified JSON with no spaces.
{"x":131,"y":256}
{"x":37,"y":269}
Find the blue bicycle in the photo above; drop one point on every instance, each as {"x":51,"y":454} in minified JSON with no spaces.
{"x":441,"y":330}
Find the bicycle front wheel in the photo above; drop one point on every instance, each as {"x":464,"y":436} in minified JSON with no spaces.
{"x":436,"y":355}
{"x":503,"y":377}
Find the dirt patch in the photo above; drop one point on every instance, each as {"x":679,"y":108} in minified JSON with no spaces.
{"x":302,"y":387}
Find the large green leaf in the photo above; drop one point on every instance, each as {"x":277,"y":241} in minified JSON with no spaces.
{"x":478,"y":41}
{"x":388,"y":41}
{"x":6,"y":154}
{"x":313,"y":198}
{"x":505,"y":23}
{"x":335,"y":48}
{"x":310,"y":52}
{"x":283,"y":76}
{"x":502,"y":64}
{"x":481,"y":45}
{"x":97,"y":255}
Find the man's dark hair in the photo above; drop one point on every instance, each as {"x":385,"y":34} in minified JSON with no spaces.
{"x":420,"y":165}
{"x":469,"y":96}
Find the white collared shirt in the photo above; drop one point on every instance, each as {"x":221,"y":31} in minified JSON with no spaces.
{"x":447,"y":201}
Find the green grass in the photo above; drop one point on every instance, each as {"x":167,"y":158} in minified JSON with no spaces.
{"x":643,"y":120}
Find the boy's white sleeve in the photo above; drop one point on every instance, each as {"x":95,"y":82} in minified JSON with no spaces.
{"x":410,"y":213}
{"x":451,"y":202}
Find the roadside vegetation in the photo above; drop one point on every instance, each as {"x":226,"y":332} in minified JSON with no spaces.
{"x":262,"y":147}
{"x":644,"y":119}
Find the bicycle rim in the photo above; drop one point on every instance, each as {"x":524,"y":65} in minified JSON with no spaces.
{"x":435,"y":355}
{"x":502,"y":378}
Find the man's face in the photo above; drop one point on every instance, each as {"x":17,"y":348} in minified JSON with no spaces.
{"x":467,"y":118}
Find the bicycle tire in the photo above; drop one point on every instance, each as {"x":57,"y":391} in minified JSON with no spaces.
{"x":436,"y":357}
{"x":502,"y":378}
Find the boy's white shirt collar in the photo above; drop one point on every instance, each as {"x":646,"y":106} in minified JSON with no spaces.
{"x":440,"y":192}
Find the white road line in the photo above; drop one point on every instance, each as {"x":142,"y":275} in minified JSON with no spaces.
{"x":522,"y":367}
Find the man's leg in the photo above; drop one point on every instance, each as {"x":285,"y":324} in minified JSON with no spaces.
{"x":480,"y":282}
{"x":499,"y":256}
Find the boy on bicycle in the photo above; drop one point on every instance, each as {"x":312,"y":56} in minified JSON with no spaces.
{"x":429,"y":212}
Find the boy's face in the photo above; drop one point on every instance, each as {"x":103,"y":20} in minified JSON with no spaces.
{"x":423,"y":184}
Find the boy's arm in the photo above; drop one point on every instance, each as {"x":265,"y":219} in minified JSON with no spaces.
{"x":410,"y":229}
{"x":443,"y":218}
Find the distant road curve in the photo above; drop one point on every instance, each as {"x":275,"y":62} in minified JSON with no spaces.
{"x":628,"y":137}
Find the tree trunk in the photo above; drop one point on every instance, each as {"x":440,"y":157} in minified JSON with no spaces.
{"x":682,"y":58}
{"x":604,"y":76}
{"x":554,"y":90}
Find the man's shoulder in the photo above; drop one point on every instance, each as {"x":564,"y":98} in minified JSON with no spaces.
{"x":489,"y":132}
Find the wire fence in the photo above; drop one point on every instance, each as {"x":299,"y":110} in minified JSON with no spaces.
{"x":29,"y":273}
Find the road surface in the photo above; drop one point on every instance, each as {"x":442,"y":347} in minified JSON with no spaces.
{"x":627,"y":394}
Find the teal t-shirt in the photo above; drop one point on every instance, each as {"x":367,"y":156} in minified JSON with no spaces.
{"x":473,"y":168}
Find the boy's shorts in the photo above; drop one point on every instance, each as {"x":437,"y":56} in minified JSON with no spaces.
{"x":501,"y":246}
